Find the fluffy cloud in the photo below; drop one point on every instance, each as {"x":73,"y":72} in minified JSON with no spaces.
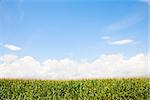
{"x":8,"y":58}
{"x":12,"y":47}
{"x":106,"y":66}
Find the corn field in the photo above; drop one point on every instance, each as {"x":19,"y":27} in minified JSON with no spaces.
{"x":96,"y":89}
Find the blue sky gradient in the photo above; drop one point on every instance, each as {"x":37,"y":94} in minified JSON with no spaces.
{"x":74,"y":29}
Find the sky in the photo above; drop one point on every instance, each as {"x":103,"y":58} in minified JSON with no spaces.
{"x":74,"y":39}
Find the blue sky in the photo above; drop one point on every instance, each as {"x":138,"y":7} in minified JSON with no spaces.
{"x":72,"y":39}
{"x":77,"y":29}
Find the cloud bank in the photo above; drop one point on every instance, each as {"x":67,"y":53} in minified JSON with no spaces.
{"x":106,"y":66}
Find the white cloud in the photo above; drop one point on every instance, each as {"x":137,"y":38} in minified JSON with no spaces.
{"x":106,"y":66}
{"x":8,"y":58}
{"x":121,"y":42}
{"x":117,"y":42}
{"x":26,"y":67}
{"x":12,"y":47}
{"x":124,"y":23}
{"x":105,"y":37}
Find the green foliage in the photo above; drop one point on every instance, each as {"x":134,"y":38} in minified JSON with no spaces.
{"x":98,"y":89}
